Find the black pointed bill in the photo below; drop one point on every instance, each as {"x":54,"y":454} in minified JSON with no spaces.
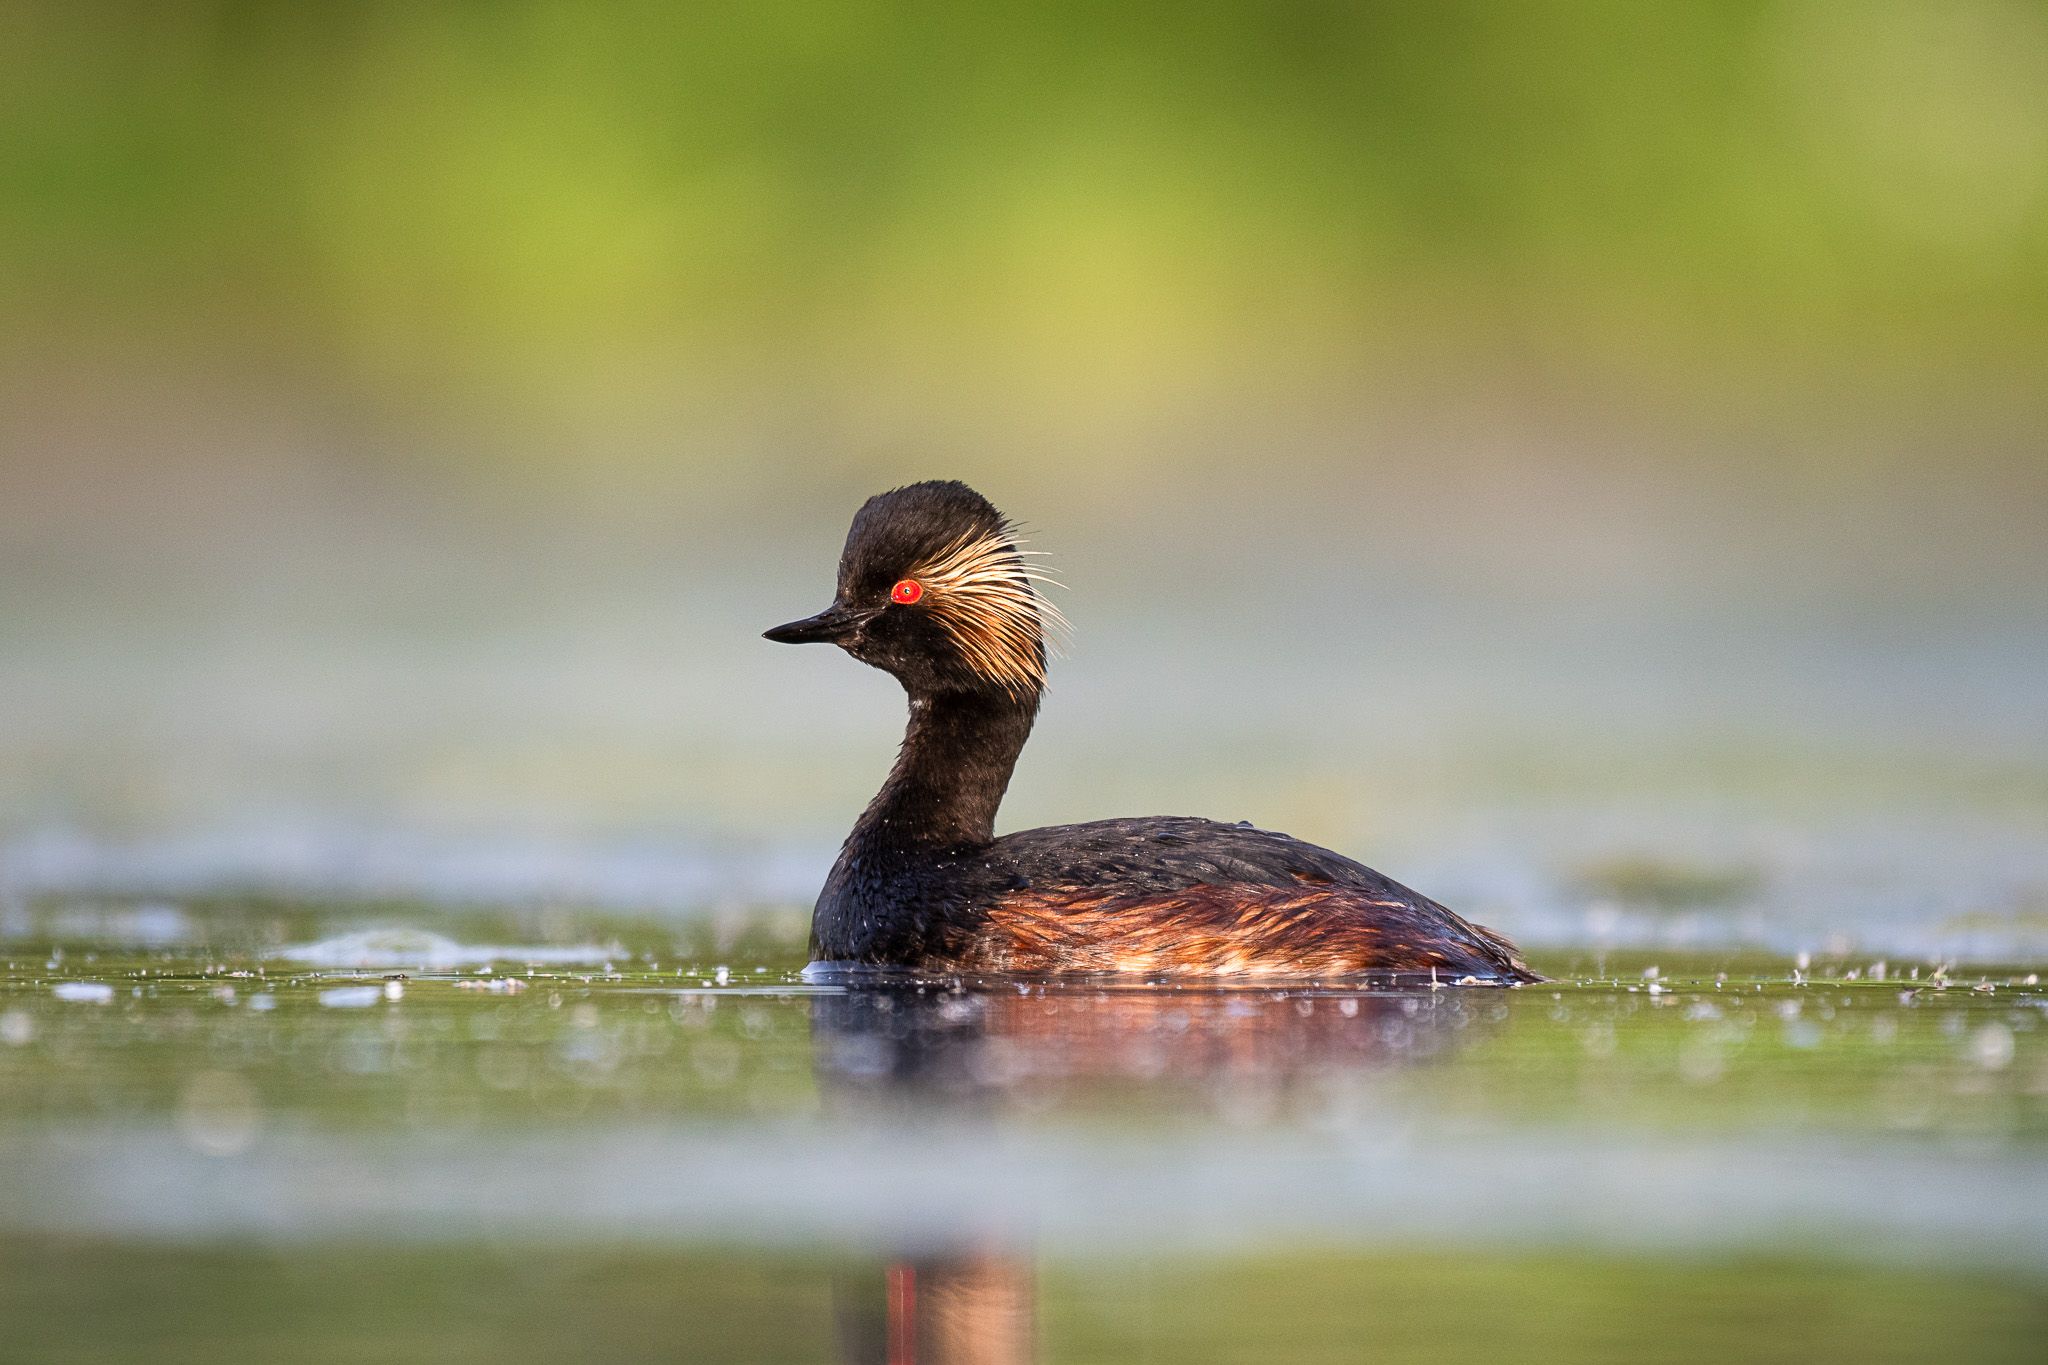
{"x":829,"y":627}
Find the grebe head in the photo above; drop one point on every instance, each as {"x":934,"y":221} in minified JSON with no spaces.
{"x":934,"y":589}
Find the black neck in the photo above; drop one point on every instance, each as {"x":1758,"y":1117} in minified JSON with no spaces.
{"x":957,"y":756}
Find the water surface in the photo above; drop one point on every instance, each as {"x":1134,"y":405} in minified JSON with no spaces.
{"x":256,"y":1128}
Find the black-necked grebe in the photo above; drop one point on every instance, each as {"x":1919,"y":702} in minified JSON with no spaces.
{"x":933,"y":589}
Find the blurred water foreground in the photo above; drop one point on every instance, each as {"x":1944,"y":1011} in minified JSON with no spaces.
{"x":228,"y":1136}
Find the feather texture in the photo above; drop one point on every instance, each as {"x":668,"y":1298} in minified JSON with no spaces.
{"x":982,"y":590}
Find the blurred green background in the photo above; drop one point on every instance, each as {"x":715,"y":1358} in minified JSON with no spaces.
{"x":409,"y":413}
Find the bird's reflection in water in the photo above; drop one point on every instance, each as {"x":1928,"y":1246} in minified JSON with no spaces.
{"x":972,"y":1308}
{"x":938,"y":1052}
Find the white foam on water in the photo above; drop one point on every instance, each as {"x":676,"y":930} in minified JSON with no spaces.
{"x":351,"y":997}
{"x":424,"y":950}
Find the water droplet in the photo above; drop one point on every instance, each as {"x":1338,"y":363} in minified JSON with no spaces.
{"x":1991,"y":1047}
{"x":17,"y":1028}
{"x":218,"y":1113}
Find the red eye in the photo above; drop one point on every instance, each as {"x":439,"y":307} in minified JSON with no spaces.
{"x":906,"y":592}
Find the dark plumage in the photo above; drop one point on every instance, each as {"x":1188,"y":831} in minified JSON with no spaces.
{"x":933,"y":589}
